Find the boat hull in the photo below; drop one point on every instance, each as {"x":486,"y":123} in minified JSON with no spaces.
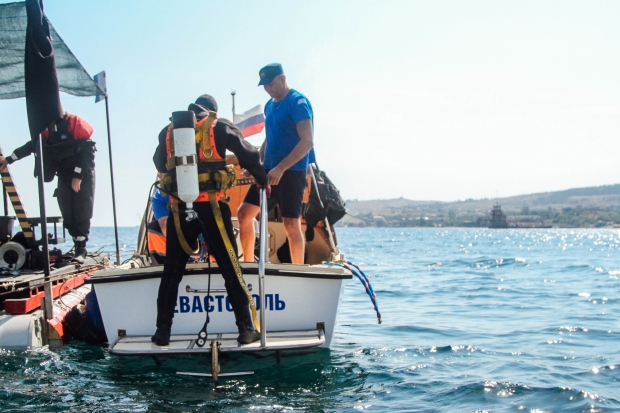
{"x":297,"y":297}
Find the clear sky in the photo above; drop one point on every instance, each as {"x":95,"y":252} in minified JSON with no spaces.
{"x":428,"y":100}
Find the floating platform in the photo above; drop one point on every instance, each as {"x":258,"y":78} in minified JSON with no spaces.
{"x":27,"y":330}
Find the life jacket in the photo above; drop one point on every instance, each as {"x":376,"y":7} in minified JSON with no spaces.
{"x":213,"y":174}
{"x":157,"y":243}
{"x":156,"y":240}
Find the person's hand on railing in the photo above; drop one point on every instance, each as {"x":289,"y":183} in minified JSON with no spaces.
{"x":267,"y":189}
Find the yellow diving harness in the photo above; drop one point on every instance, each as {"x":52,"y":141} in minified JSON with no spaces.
{"x":213,"y":183}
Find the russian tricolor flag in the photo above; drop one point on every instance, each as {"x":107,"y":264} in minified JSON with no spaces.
{"x":250,"y":122}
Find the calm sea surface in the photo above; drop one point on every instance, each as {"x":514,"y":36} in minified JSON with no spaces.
{"x":474,"y":320}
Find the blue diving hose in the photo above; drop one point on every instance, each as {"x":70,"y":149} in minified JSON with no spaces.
{"x":365,"y":282}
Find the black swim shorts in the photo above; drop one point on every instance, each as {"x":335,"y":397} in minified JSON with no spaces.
{"x":289,"y":194}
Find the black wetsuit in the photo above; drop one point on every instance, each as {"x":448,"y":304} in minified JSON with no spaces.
{"x":69,"y":153}
{"x":227,"y":137}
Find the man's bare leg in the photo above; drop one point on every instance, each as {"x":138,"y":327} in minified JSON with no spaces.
{"x":246,"y":214}
{"x":296,"y":241}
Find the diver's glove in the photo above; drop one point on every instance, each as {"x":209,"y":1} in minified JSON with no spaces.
{"x":267,"y":188}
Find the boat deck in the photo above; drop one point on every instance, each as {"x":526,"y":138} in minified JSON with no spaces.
{"x":34,"y":278}
{"x":186,"y":344}
{"x":21,"y":291}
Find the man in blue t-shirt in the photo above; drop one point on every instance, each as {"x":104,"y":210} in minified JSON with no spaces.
{"x":286,"y":153}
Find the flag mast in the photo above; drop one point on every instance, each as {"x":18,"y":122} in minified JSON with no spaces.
{"x":233,"y":92}
{"x":100,"y":81}
{"x":107,"y":116}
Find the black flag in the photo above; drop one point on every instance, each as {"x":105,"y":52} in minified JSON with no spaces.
{"x":42,"y":95}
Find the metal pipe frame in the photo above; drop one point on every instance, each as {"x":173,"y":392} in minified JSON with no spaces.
{"x":107,"y":116}
{"x":264,"y":232}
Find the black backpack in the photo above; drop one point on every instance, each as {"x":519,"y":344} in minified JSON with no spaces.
{"x":327,"y":204}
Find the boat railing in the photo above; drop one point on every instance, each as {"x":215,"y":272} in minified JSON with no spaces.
{"x":262,"y":257}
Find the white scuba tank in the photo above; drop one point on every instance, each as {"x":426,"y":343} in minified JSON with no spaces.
{"x":183,"y":123}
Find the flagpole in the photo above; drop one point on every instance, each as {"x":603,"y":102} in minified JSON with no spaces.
{"x":107,"y":117}
{"x":233,"y":92}
{"x":47,"y":287}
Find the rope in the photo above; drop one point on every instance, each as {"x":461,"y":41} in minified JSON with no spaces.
{"x":201,"y":340}
{"x":174,"y":207}
{"x":365,"y":282}
{"x":10,"y":285}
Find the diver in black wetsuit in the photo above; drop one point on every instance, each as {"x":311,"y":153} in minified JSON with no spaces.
{"x":69,"y":153}
{"x":211,"y":208}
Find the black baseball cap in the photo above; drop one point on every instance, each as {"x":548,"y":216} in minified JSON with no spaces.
{"x":269,"y":72}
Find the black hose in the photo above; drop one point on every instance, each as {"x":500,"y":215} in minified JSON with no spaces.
{"x":208,"y":257}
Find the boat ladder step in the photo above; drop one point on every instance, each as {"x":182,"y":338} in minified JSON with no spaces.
{"x":227,"y":343}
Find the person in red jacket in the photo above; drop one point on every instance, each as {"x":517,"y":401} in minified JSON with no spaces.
{"x":69,"y":153}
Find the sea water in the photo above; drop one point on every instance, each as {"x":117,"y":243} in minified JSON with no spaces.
{"x":474,"y":320}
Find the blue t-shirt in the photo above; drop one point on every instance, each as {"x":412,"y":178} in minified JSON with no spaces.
{"x":159,"y":204}
{"x":281,"y":119}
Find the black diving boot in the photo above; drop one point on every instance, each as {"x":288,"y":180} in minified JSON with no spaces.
{"x":161,"y":336}
{"x":247,"y":332}
{"x":80,"y":252}
{"x":166,"y":301}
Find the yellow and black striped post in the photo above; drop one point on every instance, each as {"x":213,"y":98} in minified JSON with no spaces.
{"x":18,"y":207}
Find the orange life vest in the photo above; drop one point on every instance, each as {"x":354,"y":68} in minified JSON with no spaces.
{"x":157,"y":242}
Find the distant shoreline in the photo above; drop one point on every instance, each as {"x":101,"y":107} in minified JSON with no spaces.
{"x":593,"y":207}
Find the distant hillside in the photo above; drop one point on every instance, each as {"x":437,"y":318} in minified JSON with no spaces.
{"x":594,"y":205}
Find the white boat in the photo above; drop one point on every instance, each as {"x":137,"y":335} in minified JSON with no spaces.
{"x":301,"y":301}
{"x":297,"y":298}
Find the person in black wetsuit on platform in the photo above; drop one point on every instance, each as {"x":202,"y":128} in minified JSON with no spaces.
{"x":69,"y":153}
{"x":212,"y":208}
